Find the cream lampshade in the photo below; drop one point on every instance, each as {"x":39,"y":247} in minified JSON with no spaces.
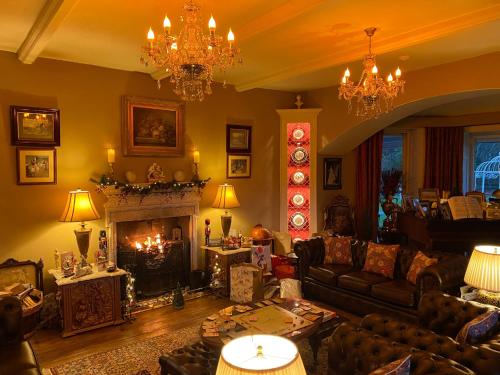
{"x":260,"y":354}
{"x":226,"y":198}
{"x":483,"y":270}
{"x":80,"y":208}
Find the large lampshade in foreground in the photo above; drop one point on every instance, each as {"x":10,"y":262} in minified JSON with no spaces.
{"x":260,"y":354}
{"x":226,"y":198}
{"x":80,"y":208}
{"x":483,"y":271}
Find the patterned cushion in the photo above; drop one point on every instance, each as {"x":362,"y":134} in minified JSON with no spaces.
{"x":381,"y":259}
{"x":419,"y":263}
{"x":338,"y":250}
{"x":478,"y":328}
{"x":398,"y":367}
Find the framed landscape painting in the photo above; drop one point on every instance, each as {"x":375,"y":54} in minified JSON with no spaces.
{"x":35,"y":126}
{"x":36,"y":166}
{"x":238,"y":139}
{"x":152,"y":127}
{"x":239,"y":166}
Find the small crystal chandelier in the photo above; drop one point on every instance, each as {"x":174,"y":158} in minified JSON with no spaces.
{"x":374,"y":95}
{"x":191,"y":56}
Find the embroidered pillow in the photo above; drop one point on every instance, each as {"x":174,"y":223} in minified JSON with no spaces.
{"x":381,"y":259}
{"x":478,"y":328}
{"x":398,"y":367}
{"x":419,"y":263}
{"x":338,"y":250}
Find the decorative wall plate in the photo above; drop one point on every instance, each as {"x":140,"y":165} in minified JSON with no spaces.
{"x":298,"y":134}
{"x":298,"y":200}
{"x":299,"y":155}
{"x":298,"y":177}
{"x":298,"y":220}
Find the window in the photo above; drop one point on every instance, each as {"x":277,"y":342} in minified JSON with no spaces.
{"x":485,"y":164}
{"x":392,"y":171}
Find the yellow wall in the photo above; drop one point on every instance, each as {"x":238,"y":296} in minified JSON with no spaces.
{"x":90,"y":102}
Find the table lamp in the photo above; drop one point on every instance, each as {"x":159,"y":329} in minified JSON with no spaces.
{"x":483,"y":273}
{"x":80,"y":207}
{"x":226,"y":198}
{"x":260,"y":354}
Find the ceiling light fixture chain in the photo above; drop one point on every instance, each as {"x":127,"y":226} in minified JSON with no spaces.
{"x":374,"y":95}
{"x":191,"y":56}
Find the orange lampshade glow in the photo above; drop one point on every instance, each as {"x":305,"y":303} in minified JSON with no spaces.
{"x":483,"y":269}
{"x":226,"y":197}
{"x":79,"y":207}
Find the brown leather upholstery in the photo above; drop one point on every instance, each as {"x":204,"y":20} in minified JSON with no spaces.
{"x":362,"y":292}
{"x":353,"y":350}
{"x":401,"y":292}
{"x":16,"y":355}
{"x":194,"y":359}
{"x":360,"y":281}
{"x":328,"y":273}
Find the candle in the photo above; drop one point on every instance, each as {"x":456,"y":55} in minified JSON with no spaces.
{"x":196,"y":157}
{"x":111,"y":155}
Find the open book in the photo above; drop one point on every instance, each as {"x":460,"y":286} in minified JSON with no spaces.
{"x":465,"y":208}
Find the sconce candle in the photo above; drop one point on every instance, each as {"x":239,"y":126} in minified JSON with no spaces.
{"x":111,"y":155}
{"x":196,"y":157}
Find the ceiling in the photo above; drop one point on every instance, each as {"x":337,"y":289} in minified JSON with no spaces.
{"x":287,"y":45}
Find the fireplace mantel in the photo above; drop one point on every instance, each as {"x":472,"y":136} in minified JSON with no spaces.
{"x":156,"y":205}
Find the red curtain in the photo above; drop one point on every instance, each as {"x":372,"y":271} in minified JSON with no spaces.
{"x":444,"y":152}
{"x":368,"y":170}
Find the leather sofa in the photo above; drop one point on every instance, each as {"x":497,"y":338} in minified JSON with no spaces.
{"x":16,"y":355}
{"x":351,"y":289}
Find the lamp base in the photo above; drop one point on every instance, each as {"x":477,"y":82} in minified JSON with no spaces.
{"x":82,"y":239}
{"x":225,"y":221}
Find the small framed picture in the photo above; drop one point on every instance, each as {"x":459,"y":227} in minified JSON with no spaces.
{"x":238,"y":139}
{"x":36,"y":166}
{"x":38,"y":127}
{"x":239,"y":166}
{"x":332,"y":173}
{"x":431,"y":195}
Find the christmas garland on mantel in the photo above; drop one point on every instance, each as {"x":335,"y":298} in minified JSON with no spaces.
{"x":158,"y":187}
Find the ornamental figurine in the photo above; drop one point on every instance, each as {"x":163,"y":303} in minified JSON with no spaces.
{"x":155,"y":173}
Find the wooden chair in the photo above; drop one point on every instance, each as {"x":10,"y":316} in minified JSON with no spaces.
{"x":339,"y":217}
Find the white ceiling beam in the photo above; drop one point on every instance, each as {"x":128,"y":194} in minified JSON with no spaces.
{"x":46,"y":24}
{"x":274,"y":18}
{"x":384,"y":45}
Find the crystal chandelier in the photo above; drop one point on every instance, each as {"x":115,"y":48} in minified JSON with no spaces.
{"x":374,"y":95}
{"x":191,"y":56}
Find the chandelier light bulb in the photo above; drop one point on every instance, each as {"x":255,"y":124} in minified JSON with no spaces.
{"x":389,"y":78}
{"x":211,"y":23}
{"x":151,"y":34}
{"x":398,"y":72}
{"x":174,"y":46}
{"x":374,"y":69}
{"x":344,"y":80}
{"x":347,"y":73}
{"x":166,"y":23}
{"x":230,"y":36}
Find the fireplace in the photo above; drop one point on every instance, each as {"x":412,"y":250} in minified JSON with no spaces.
{"x":153,"y":236}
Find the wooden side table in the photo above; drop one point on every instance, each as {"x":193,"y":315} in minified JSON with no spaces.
{"x":89,"y":302}
{"x":226,"y":258}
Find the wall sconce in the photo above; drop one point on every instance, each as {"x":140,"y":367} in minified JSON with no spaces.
{"x":196,"y":161}
{"x":111,"y":161}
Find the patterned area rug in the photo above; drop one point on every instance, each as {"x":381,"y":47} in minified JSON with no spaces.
{"x":144,"y":354}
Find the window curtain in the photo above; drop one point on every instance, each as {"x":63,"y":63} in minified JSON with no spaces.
{"x":368,"y":170}
{"x":444,"y":153}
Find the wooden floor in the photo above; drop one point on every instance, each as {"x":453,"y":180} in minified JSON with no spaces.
{"x":51,"y":349}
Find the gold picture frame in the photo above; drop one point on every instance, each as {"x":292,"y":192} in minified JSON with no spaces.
{"x":35,"y":127}
{"x":152,"y":127}
{"x":36,"y":166}
{"x":239,"y":166}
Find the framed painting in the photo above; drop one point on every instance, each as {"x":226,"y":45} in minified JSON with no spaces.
{"x":238,"y":139}
{"x":38,"y":127}
{"x":239,"y":166}
{"x":36,"y":166}
{"x":152,"y":127}
{"x":332,"y":173}
{"x":431,"y":194}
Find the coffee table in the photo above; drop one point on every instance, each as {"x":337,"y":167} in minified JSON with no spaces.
{"x":293,"y":319}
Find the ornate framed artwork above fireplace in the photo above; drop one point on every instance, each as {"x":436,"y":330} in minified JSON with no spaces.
{"x":132,"y":219}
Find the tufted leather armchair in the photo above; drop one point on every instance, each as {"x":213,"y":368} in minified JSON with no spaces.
{"x":350,"y":288}
{"x":16,"y":355}
{"x":441,"y":317}
{"x":356,"y":351}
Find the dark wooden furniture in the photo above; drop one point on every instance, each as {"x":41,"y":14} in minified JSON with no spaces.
{"x":90,"y":302}
{"x":338,"y":217}
{"x":448,"y":235}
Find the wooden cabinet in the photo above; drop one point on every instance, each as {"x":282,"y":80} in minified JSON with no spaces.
{"x":90,"y":302}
